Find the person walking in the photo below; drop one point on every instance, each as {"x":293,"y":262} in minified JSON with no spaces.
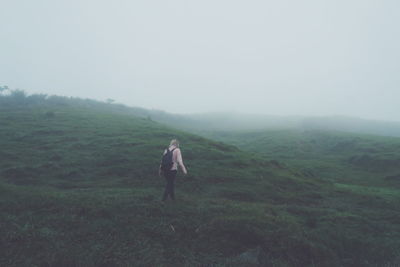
{"x":172,"y":158}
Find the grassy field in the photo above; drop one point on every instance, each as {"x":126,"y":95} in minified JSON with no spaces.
{"x":335,"y":156}
{"x":79,"y":187}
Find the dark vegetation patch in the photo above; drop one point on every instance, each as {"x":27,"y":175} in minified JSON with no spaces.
{"x":223,"y":147}
{"x":240,"y":195}
{"x":21,"y":175}
{"x":233,"y":234}
{"x":394,"y":178}
{"x":374,"y":163}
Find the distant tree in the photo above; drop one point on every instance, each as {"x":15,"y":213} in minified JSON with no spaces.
{"x":4,"y":88}
{"x":110,"y":101}
{"x":18,"y":94}
{"x":59,"y":100}
{"x":37,"y":98}
{"x":18,"y":97}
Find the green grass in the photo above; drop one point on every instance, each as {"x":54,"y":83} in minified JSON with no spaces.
{"x":334,"y":156}
{"x":79,"y":187}
{"x":390,"y":194}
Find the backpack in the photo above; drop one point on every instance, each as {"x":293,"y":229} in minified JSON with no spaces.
{"x":166,"y":161}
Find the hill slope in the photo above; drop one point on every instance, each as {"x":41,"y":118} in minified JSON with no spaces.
{"x":337,"y":156}
{"x":79,"y":186}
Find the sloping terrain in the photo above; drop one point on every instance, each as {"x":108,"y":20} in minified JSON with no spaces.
{"x":79,"y":187}
{"x":336,"y":156}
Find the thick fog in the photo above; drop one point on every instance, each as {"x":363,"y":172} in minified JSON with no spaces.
{"x":268,"y":57}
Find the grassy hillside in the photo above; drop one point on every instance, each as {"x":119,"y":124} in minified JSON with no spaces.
{"x":336,"y":156}
{"x":79,"y":187}
{"x":366,"y":165}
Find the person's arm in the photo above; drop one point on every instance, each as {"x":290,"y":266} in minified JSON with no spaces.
{"x":180,"y":161}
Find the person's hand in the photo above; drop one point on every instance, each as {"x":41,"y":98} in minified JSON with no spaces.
{"x":185,"y":172}
{"x":159,"y":172}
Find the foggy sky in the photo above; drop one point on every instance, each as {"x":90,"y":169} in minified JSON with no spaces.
{"x":270,"y":57}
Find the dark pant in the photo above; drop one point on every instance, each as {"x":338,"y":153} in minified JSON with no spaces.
{"x":169,"y":187}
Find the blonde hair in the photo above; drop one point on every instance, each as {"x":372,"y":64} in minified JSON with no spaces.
{"x":174,"y":142}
